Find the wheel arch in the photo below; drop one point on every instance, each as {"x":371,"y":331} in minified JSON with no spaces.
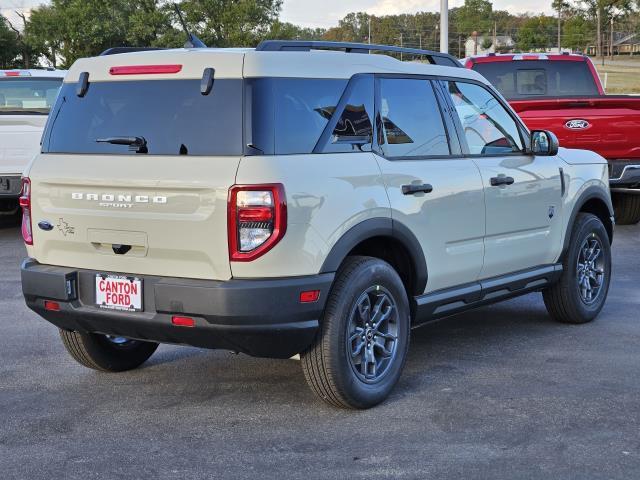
{"x":389,"y":240}
{"x":595,"y":201}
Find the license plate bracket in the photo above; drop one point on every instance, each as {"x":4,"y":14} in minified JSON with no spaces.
{"x":119,"y":292}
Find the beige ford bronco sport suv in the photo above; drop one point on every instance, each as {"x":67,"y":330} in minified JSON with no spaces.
{"x":306,"y":198}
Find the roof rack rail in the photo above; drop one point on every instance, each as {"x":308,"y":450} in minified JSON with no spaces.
{"x":117,"y":50}
{"x":435,"y":58}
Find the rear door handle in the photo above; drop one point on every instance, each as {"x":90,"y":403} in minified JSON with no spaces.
{"x":413,"y":189}
{"x":501,"y":180}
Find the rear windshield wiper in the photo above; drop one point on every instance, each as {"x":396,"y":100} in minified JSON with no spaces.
{"x":136,"y":144}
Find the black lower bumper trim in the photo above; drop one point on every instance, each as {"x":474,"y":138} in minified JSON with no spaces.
{"x":263,"y":318}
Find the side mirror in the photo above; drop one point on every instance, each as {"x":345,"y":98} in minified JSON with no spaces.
{"x":544,"y":143}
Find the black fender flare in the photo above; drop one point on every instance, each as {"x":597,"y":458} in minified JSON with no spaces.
{"x":379,"y":227}
{"x":590,"y":193}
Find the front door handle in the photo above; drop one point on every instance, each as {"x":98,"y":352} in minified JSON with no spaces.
{"x":413,"y":189}
{"x":501,"y":180}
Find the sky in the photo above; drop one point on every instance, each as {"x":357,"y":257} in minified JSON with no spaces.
{"x":326,"y":13}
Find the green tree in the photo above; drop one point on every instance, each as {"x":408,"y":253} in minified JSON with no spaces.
{"x":579,"y":33}
{"x":537,"y":33}
{"x":288,"y":31}
{"x":44,"y":33}
{"x":231,"y":23}
{"x":9,"y":48}
{"x":475,"y":16}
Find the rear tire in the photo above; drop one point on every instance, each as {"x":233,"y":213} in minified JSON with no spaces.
{"x":361,"y":348}
{"x":106,"y":354}
{"x":581,"y":292}
{"x":626,"y":207}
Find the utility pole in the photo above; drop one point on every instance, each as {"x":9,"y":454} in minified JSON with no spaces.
{"x":559,"y":27}
{"x":598,"y":35}
{"x":495,"y":37}
{"x":611,"y":42}
{"x":401,"y":45}
{"x":459,"y":46}
{"x":369,"y":30}
{"x":444,"y":26}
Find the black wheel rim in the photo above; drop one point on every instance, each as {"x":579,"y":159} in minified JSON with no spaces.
{"x":590,"y":270}
{"x":372,"y":334}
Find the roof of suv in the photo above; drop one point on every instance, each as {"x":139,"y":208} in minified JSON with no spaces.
{"x":41,"y":73}
{"x":247,"y":62}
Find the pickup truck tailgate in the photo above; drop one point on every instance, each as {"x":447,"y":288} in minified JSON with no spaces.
{"x":608,"y":125}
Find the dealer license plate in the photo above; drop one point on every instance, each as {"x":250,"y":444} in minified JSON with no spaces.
{"x":116,"y":292}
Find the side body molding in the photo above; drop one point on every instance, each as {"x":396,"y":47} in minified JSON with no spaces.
{"x":379,"y":227}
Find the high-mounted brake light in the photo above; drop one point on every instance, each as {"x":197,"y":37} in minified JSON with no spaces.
{"x":15,"y":73}
{"x":256,"y":220}
{"x":144,"y":69}
{"x":25,"y":203}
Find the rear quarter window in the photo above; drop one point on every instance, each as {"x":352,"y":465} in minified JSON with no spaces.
{"x":171,"y":115}
{"x":288,"y":115}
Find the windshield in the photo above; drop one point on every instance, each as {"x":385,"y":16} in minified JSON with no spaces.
{"x":539,"y":78}
{"x":171,"y":117}
{"x":28,"y":96}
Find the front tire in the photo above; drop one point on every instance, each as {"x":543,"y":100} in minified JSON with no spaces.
{"x":581,"y":292}
{"x":626,"y":208}
{"x":360,"y":351}
{"x":105,"y":353}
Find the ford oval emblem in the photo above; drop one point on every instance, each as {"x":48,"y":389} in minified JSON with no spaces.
{"x":577,"y":124}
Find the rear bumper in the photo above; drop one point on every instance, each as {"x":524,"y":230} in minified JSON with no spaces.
{"x":262,"y":318}
{"x":624,"y":174}
{"x":10,"y":186}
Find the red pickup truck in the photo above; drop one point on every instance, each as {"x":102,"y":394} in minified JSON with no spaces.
{"x":563,"y":93}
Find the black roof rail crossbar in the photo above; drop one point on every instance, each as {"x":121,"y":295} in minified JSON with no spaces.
{"x":349,"y":47}
{"x":117,"y":50}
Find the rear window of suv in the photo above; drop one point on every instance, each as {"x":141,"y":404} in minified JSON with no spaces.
{"x":521,"y":79}
{"x":171,"y":115}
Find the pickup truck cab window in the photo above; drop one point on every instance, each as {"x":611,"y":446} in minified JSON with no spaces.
{"x":488,"y":127}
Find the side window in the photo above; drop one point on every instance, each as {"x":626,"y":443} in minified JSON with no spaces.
{"x":488,"y":127}
{"x":288,"y":115}
{"x":354,"y":128}
{"x":410,"y":123}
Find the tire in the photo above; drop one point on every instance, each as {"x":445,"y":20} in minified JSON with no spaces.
{"x":627,"y":208}
{"x":568,"y":300}
{"x":106,"y":354}
{"x":354,"y":381}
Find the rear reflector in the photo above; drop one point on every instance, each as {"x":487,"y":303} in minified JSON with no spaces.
{"x":144,"y":69}
{"x":309,"y":296}
{"x":51,"y":306}
{"x":183,"y":321}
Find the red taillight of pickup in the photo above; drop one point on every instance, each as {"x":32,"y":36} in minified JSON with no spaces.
{"x":25,"y":204}
{"x":256,"y":220}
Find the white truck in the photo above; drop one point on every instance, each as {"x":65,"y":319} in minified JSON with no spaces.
{"x":26,"y":96}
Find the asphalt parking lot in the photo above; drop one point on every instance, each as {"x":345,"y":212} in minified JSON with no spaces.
{"x":500,"y":393}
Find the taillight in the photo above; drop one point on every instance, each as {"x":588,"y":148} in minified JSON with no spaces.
{"x":257,"y":220}
{"x":25,"y":203}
